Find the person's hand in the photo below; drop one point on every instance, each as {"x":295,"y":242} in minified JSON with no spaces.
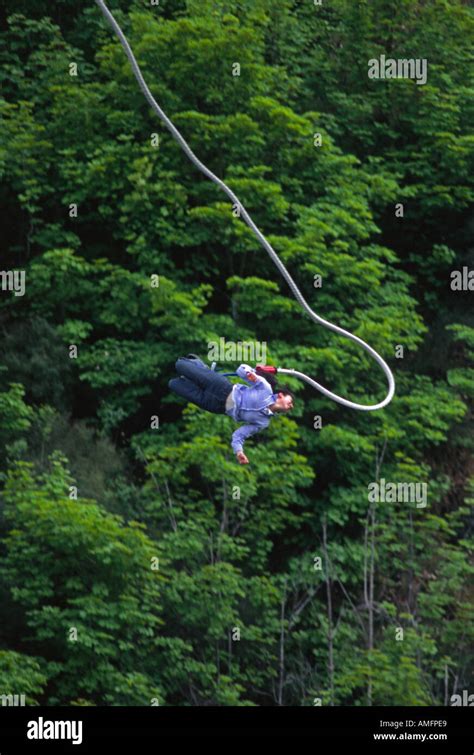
{"x":252,"y":377}
{"x":241,"y":458}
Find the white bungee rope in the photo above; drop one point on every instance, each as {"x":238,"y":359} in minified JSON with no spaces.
{"x":263,"y":241}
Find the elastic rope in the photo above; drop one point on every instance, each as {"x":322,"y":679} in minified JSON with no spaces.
{"x":263,"y":241}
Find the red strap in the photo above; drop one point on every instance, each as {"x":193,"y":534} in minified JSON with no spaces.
{"x":265,"y":368}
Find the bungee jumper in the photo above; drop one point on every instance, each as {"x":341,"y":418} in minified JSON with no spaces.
{"x":266,"y":245}
{"x":212,"y":391}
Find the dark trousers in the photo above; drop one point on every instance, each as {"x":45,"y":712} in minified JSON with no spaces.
{"x":200,"y":385}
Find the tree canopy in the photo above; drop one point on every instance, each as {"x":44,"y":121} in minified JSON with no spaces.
{"x":139,"y":563}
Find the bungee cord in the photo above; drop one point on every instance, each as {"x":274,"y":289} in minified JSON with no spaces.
{"x":261,"y":238}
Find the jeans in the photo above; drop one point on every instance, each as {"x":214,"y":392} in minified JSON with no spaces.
{"x":200,"y":385}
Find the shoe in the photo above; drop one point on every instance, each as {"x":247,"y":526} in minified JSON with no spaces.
{"x":192,"y":356}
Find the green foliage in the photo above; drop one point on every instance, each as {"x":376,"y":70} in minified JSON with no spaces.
{"x":22,"y":674}
{"x":90,"y":624}
{"x":279,"y":582}
{"x":15,"y":418}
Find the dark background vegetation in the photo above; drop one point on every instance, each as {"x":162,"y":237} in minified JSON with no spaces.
{"x":176,"y":575}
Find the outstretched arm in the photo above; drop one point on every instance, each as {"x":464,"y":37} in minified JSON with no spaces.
{"x":240,"y":436}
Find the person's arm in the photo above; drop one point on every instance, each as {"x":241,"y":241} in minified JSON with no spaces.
{"x":240,"y":436}
{"x":249,"y":374}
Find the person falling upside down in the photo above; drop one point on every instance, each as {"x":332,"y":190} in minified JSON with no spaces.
{"x":254,"y":404}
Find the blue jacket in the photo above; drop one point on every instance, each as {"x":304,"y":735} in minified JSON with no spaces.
{"x":251,"y":404}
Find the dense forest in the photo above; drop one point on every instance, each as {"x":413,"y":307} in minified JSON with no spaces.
{"x":140,"y":564}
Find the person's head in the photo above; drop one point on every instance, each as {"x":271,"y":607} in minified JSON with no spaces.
{"x":284,"y":401}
